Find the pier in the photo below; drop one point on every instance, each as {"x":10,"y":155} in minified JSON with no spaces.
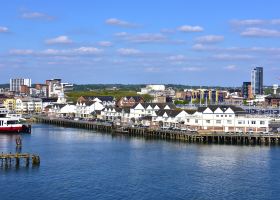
{"x":186,"y":136}
{"x":9,"y":159}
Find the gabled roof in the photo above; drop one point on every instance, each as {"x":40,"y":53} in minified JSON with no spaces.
{"x":160,"y":105}
{"x":136,"y":98}
{"x":235,"y":109}
{"x":170,"y":113}
{"x":190,"y":111}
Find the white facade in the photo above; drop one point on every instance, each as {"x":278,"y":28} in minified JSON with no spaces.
{"x":15,"y":83}
{"x":85,"y":110}
{"x":224,"y":119}
{"x":29,"y":105}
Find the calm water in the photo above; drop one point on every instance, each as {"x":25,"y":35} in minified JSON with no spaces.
{"x":81,"y":164}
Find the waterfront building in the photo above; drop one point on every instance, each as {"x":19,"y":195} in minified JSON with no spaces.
{"x":16,"y":83}
{"x":104,"y":100}
{"x":48,"y":102}
{"x":247,"y":90}
{"x":216,"y":119}
{"x":10,"y":104}
{"x":26,"y":105}
{"x":129,"y":101}
{"x":208,"y":118}
{"x":88,"y":109}
{"x":257,"y":81}
{"x":68,"y":110}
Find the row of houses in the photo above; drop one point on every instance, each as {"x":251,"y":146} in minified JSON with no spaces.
{"x":166,"y":115}
{"x":85,"y":104}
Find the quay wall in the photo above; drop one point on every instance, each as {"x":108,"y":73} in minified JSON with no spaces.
{"x":203,"y":138}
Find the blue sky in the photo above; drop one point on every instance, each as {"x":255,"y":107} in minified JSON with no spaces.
{"x":100,"y":41}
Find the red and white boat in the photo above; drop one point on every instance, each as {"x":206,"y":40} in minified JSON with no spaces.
{"x":11,"y":124}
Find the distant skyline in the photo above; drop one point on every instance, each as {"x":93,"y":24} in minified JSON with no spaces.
{"x":131,"y":42}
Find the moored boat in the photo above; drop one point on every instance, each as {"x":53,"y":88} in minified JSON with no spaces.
{"x":11,"y":124}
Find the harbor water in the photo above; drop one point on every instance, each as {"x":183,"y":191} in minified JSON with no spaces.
{"x":85,"y":165}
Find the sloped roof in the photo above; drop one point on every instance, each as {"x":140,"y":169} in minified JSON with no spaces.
{"x":44,"y":100}
{"x":136,"y":98}
{"x":235,"y":109}
{"x":170,"y":113}
{"x":160,"y":105}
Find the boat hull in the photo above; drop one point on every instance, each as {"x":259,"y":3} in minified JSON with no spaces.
{"x":7,"y":129}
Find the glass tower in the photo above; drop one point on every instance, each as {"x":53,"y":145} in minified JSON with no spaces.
{"x":257,"y":80}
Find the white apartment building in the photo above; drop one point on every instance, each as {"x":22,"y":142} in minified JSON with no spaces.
{"x":28,"y":105}
{"x":15,"y":83}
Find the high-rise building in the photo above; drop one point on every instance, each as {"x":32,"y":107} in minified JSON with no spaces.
{"x":16,"y":83}
{"x":257,"y":80}
{"x":247,"y":90}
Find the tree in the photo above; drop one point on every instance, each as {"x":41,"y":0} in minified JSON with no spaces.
{"x":245,"y":102}
{"x":147,"y":97}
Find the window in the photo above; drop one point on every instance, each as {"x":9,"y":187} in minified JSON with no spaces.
{"x":262,"y":122}
{"x":230,"y":116}
{"x":208,"y":121}
{"x":218,"y":121}
{"x":221,"y":115}
{"x":225,"y":115}
{"x":188,"y":120}
{"x":253,"y":122}
{"x":229,"y":121}
{"x":217,"y":115}
{"x":196,"y":121}
{"x":240,"y":122}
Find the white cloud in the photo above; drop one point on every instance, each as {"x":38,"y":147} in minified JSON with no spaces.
{"x":231,"y":68}
{"x":210,"y":39}
{"x":232,"y":57}
{"x":121,"y":34}
{"x":4,"y":29}
{"x":147,"y":37}
{"x":105,"y":43}
{"x":88,"y":50}
{"x":118,"y":22}
{"x":260,"y":32}
{"x":187,"y":28}
{"x":128,"y":51}
{"x":143,"y":37}
{"x":21,"y":51}
{"x":36,"y":15}
{"x":248,"y":22}
{"x":255,"y":22}
{"x":84,"y":50}
{"x":192,"y":69}
{"x":63,"y":39}
{"x":177,"y":58}
{"x":202,"y":47}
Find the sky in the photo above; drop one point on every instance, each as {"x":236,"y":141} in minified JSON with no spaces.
{"x":191,"y":42}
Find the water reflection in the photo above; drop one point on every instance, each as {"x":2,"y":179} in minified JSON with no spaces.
{"x":88,"y":165}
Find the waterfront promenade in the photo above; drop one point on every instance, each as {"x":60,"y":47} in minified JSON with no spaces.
{"x":187,"y":136}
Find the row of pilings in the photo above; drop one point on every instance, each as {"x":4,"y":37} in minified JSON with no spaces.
{"x":202,"y":138}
